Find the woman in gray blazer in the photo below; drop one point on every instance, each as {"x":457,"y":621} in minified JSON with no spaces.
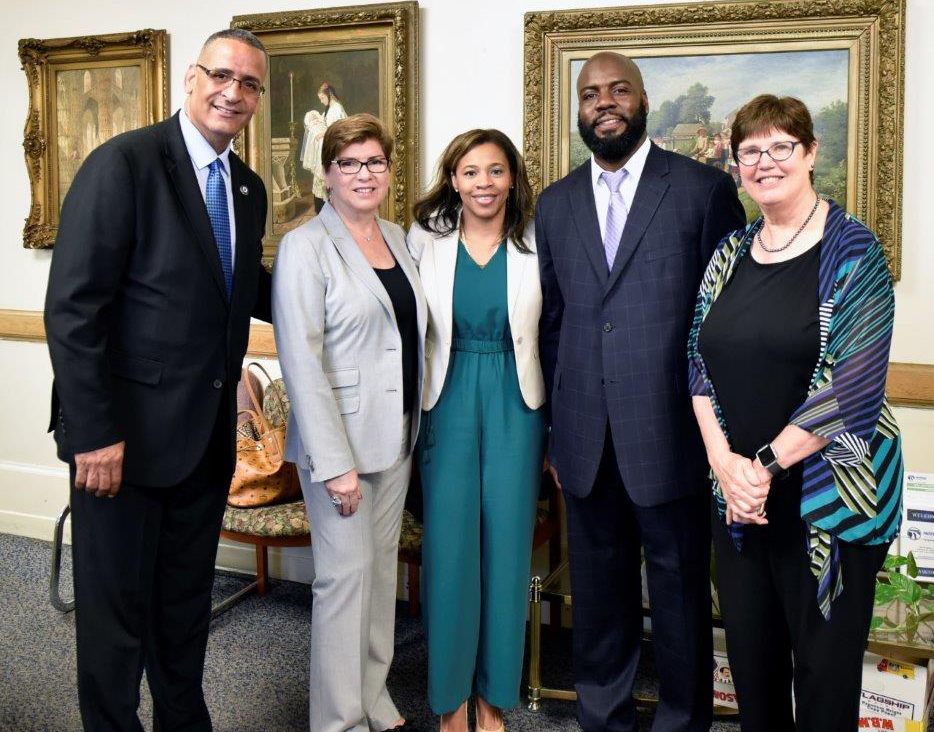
{"x":350,"y":318}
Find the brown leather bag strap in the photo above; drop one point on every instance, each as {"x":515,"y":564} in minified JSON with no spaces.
{"x":275,"y":391}
{"x":258,"y":415}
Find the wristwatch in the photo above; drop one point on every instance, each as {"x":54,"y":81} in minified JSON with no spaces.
{"x":766,"y":455}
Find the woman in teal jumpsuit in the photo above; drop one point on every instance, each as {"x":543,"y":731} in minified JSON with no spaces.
{"x":481,"y":448}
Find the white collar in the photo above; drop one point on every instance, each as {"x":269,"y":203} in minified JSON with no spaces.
{"x":199,"y":149}
{"x":633,"y":166}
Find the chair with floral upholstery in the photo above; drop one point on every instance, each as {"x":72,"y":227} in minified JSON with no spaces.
{"x":280,"y":525}
{"x":287,"y":525}
{"x":263,"y":527}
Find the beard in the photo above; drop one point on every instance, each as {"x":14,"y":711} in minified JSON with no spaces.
{"x":615,"y":147}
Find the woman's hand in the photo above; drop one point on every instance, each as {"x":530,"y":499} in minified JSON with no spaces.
{"x":345,"y":492}
{"x":744,"y":490}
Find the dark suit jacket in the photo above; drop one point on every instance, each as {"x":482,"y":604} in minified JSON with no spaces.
{"x":614,"y":344}
{"x":144,"y":343}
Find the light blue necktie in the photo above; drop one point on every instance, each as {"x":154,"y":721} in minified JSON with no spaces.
{"x":615,"y":216}
{"x":215,"y":196}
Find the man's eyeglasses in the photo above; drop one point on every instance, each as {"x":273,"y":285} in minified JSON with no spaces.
{"x":222,"y":78}
{"x":778,"y":152}
{"x":352,"y":165}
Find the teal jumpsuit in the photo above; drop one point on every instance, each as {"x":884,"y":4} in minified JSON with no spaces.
{"x":480,"y":456}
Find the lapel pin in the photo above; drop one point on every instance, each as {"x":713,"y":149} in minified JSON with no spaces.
{"x":244,"y":190}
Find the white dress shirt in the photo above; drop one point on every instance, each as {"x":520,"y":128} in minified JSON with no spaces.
{"x":627,"y":188}
{"x":202,"y":155}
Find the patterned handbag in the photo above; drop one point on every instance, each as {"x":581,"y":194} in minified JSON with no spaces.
{"x":261,"y":477}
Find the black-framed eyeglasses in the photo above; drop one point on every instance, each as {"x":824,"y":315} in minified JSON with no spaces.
{"x":223,"y":78}
{"x":778,"y":152}
{"x":352,"y":165}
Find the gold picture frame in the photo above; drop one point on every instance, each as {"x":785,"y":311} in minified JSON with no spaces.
{"x":82,"y":91}
{"x":367,"y":57}
{"x":860,"y":43}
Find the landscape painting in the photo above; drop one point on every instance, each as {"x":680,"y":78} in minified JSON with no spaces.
{"x":694,"y":99}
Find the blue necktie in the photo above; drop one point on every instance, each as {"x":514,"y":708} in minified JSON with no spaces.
{"x":215,"y":196}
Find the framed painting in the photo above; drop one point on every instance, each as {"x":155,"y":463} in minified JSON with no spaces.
{"x":82,"y":92}
{"x":702,"y":61}
{"x":325,"y":65}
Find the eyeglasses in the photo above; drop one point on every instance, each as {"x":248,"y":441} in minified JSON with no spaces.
{"x":778,"y":152}
{"x":352,"y":165}
{"x":222,"y":78}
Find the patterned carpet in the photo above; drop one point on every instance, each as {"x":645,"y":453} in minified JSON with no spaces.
{"x":256,"y":677}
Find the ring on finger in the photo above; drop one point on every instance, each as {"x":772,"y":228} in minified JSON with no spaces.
{"x":335,"y":500}
{"x":761,"y":510}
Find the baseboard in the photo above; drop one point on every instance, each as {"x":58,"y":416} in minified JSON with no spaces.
{"x":31,"y":499}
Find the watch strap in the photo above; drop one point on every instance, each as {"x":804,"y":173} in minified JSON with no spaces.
{"x":769,"y":460}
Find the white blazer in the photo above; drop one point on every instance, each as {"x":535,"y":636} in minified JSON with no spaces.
{"x":436,"y":257}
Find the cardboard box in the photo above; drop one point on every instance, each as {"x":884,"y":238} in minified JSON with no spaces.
{"x":895,"y":695}
{"x":917,"y":533}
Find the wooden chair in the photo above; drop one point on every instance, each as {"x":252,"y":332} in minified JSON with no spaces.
{"x":283,"y":525}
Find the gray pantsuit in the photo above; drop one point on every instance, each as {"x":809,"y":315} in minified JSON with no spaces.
{"x":341,"y":356}
{"x":353,"y":619}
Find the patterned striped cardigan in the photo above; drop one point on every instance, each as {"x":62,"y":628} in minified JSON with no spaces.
{"x":852,"y":488}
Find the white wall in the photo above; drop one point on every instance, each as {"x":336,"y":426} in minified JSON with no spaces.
{"x":471,"y":72}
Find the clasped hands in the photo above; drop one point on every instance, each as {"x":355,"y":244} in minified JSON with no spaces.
{"x":745,"y":485}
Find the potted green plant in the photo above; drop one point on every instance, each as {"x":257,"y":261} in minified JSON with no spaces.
{"x":904,"y":606}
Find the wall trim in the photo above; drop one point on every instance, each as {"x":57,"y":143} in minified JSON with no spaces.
{"x":27,"y":325}
{"x":22,"y":325}
{"x":909,"y":384}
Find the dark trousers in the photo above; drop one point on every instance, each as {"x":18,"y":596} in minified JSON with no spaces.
{"x":777,"y":640}
{"x":605,"y":532}
{"x":144,"y":568}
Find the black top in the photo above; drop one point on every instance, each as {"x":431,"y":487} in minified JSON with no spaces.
{"x":761,"y":342}
{"x":403,"y":303}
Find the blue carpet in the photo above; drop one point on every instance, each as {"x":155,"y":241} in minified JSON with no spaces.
{"x":256,"y":675}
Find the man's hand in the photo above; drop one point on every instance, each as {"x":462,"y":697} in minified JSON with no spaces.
{"x":549,"y":468}
{"x":100,"y":472}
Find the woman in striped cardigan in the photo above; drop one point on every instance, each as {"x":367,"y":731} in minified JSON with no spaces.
{"x":788,"y":358}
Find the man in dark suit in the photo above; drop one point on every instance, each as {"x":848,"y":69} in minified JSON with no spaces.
{"x":155,"y":275}
{"x":622,"y":242}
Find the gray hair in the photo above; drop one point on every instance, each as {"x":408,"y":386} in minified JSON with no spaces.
{"x":237,"y":34}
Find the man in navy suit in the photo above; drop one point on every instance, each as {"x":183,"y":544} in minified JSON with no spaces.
{"x":155,"y":275}
{"x":623,"y":241}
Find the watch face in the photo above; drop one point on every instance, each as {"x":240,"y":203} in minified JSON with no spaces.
{"x":766,"y":455}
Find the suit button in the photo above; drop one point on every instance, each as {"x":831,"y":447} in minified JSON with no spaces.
{"x":218,"y":383}
{"x":607,"y":327}
{"x":519,"y":340}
